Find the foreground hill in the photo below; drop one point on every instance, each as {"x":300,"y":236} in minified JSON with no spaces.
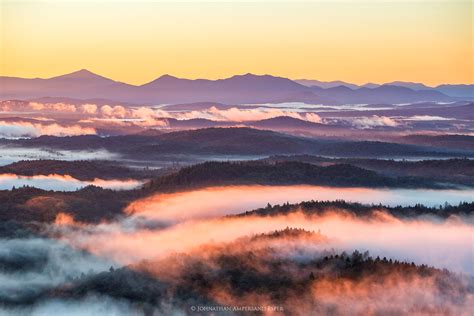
{"x":251,"y":272}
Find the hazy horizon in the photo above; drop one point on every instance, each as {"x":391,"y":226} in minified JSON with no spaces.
{"x":356,"y":42}
{"x":234,"y":75}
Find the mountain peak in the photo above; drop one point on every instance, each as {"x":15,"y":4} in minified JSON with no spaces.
{"x":164,"y":79}
{"x":243,"y":76}
{"x":167,"y":77}
{"x":83,"y":71}
{"x":81,"y":74}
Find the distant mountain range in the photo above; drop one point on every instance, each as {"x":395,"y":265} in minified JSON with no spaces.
{"x":239,"y":89}
{"x":383,"y":94}
{"x":465,"y":91}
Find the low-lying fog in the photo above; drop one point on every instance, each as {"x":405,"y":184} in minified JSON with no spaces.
{"x":62,"y":183}
{"x":160,"y":226}
{"x":182,"y":221}
{"x":217,"y":201}
{"x":9,"y":155}
{"x":64,"y":119}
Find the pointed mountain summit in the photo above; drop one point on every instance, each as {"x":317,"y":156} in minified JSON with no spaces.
{"x":167,"y":77}
{"x":164,"y":80}
{"x":84,"y":75}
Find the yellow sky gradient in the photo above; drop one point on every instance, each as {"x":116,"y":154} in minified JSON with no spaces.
{"x":137,"y":41}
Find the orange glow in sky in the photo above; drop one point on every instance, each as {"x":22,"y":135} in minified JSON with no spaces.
{"x":136,"y":41}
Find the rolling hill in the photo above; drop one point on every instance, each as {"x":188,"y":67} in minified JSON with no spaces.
{"x":233,"y":141}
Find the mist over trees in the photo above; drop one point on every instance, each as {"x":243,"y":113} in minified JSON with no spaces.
{"x":254,"y":271}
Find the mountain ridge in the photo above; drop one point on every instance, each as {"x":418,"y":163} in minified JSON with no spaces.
{"x":238,"y":89}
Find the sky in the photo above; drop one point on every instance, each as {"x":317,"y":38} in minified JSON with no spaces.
{"x":357,"y":41}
